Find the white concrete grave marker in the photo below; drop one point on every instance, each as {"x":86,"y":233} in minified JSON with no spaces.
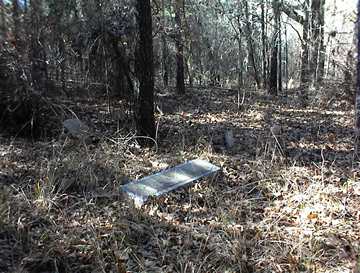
{"x":168,"y":180}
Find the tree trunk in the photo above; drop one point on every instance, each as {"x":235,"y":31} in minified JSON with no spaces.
{"x":286,"y":60}
{"x":180,"y":78}
{"x":2,"y":20}
{"x":322,"y":47}
{"x":38,"y":57}
{"x":264,"y":44}
{"x":62,"y":49}
{"x":274,"y":73}
{"x":273,"y":90}
{"x":211,"y":61}
{"x":16,"y":20}
{"x":165,"y":61}
{"x":357,"y":100}
{"x":189,"y":70}
{"x":121,"y":72}
{"x":315,"y":38}
{"x":240,"y":67}
{"x":146,"y":119}
{"x":279,"y":70}
{"x":280,"y":67}
{"x":189,"y":46}
{"x":165,"y":49}
{"x":304,"y":76}
{"x":251,"y":46}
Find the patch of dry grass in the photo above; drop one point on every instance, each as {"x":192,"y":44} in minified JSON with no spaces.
{"x":286,"y":200}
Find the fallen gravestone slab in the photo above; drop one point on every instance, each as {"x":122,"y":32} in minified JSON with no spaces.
{"x":168,"y":180}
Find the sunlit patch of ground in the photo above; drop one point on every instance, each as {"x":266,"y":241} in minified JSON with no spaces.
{"x":284,"y":202}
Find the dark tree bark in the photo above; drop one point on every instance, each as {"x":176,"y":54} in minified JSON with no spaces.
{"x":180,"y":78}
{"x":348,"y":76}
{"x":305,"y":73}
{"x":38,"y":56}
{"x":63,"y":63}
{"x":165,"y":49}
{"x":273,"y":90}
{"x":146,"y":120}
{"x":56,"y":12}
{"x":315,"y":38}
{"x":123,"y":83}
{"x":264,"y":44}
{"x":188,"y":57}
{"x":251,"y":46}
{"x":2,"y":19}
{"x":286,"y":60}
{"x":165,"y":61}
{"x":274,"y":66}
{"x":279,"y":57}
{"x":16,"y":19}
{"x":357,"y":100}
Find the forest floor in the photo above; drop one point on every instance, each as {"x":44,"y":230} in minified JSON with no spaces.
{"x":271,"y":209}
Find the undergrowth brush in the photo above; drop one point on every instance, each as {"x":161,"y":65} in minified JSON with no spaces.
{"x":286,"y":200}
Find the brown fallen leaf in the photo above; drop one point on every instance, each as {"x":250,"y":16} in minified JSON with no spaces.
{"x":312,"y":216}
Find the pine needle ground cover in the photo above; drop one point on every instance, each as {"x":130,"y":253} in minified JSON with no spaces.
{"x":287,"y":199}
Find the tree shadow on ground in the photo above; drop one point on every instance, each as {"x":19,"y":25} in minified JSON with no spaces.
{"x":208,"y":227}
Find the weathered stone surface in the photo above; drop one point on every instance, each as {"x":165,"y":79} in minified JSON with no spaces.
{"x":76,"y":128}
{"x":229,"y":139}
{"x":168,"y":180}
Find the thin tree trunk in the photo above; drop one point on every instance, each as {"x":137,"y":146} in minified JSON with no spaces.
{"x":16,"y":20}
{"x":38,"y":58}
{"x":273,"y":89}
{"x":165,"y":49}
{"x":315,"y":38}
{"x":357,"y":101}
{"x":211,"y":63}
{"x":188,"y":70}
{"x":146,"y":119}
{"x":264,"y":44}
{"x":165,"y":57}
{"x":273,"y":78}
{"x":267,"y":45}
{"x":63,"y":63}
{"x":279,"y":78}
{"x":240,"y":78}
{"x":198,"y":64}
{"x":251,"y":46}
{"x":286,"y":60}
{"x":189,"y":46}
{"x":2,"y":20}
{"x":304,"y":76}
{"x":180,"y":78}
{"x":322,"y":48}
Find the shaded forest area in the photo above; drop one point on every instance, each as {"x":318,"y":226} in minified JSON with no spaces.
{"x":97,"y":93}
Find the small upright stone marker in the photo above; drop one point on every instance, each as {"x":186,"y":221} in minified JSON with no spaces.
{"x":168,"y":180}
{"x":76,"y":128}
{"x":229,"y":139}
